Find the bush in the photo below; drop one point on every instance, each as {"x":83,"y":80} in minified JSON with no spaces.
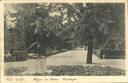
{"x":86,"y":71}
{"x":14,"y":71}
{"x":18,"y":56}
{"x":111,"y":54}
{"x":114,"y":54}
{"x":78,"y":70}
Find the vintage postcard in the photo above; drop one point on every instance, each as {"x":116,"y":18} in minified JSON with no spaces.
{"x":63,"y":41}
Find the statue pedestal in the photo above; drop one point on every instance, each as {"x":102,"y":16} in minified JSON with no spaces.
{"x":37,"y":65}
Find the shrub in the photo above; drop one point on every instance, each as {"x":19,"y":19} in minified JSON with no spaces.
{"x":71,"y":70}
{"x":111,"y":54}
{"x":86,"y":71}
{"x":18,"y":56}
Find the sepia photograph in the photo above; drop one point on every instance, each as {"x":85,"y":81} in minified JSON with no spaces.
{"x":64,"y":39}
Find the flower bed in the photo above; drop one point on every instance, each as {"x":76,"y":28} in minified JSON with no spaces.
{"x":72,"y":71}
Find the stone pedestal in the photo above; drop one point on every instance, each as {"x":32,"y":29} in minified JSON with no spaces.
{"x":37,"y":65}
{"x":104,"y":56}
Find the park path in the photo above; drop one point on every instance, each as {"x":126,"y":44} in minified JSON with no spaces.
{"x":78,"y":57}
{"x":73,"y":57}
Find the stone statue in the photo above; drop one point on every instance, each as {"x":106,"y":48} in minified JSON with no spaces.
{"x":40,"y":14}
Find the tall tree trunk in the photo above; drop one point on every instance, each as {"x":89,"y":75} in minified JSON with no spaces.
{"x":101,"y":51}
{"x":85,"y":44}
{"x":12,"y":43}
{"x":89,"y":52}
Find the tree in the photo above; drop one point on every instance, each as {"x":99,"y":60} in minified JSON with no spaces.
{"x":105,"y":19}
{"x":16,"y":17}
{"x":96,"y":21}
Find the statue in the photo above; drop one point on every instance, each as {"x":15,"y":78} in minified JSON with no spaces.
{"x":39,"y":63}
{"x":40,"y":14}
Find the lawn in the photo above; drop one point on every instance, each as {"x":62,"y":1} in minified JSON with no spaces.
{"x":77,"y":70}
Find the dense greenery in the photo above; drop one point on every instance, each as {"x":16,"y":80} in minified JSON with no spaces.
{"x":99,"y":26}
{"x":77,"y":70}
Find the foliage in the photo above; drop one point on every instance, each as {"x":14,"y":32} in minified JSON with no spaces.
{"x":16,"y":17}
{"x":14,"y":71}
{"x":110,"y":54}
{"x":77,"y":70}
{"x":66,"y":25}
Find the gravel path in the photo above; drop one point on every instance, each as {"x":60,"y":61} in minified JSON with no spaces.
{"x":73,"y":57}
